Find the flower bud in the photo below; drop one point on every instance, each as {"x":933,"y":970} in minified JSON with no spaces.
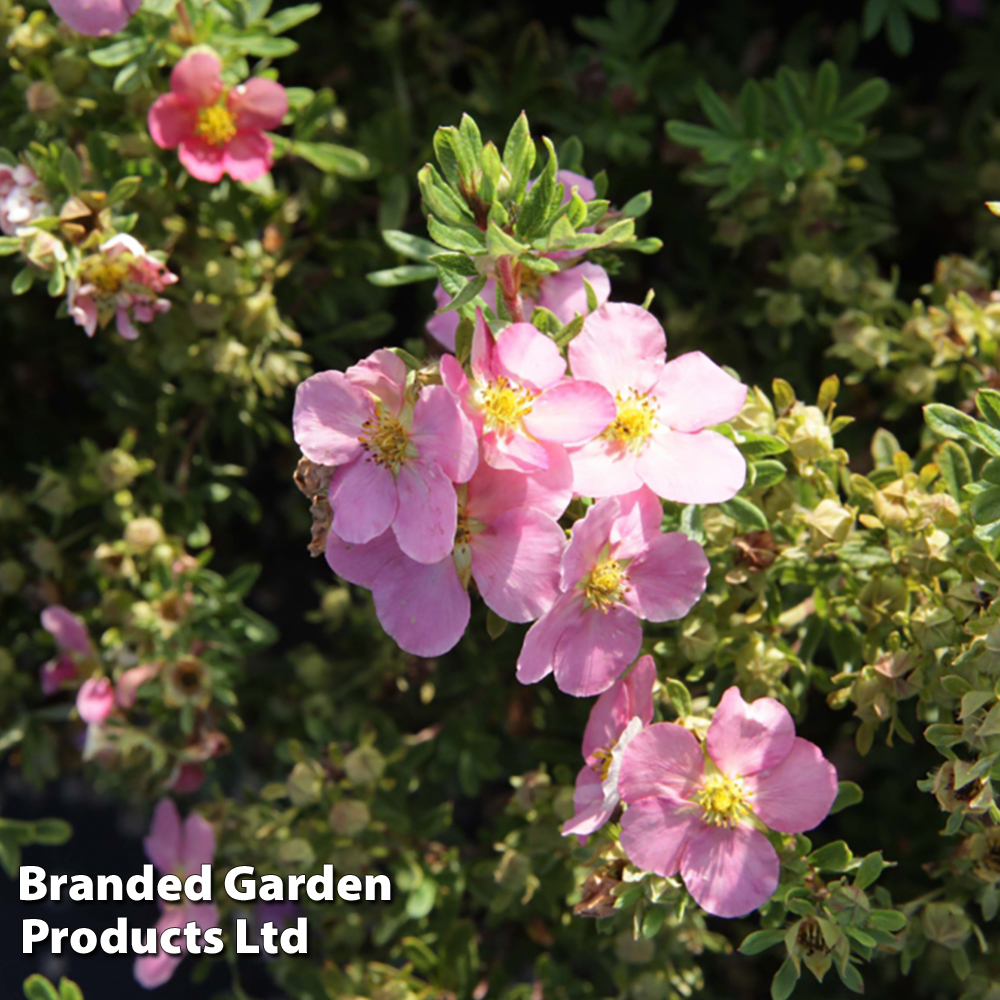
{"x":974,"y":797}
{"x":784,"y":309}
{"x":946,"y":924}
{"x":349,"y":817}
{"x":53,"y":494}
{"x":142,"y":533}
{"x":12,"y":576}
{"x":44,"y":553}
{"x":117,"y":469}
{"x":830,"y":523}
{"x":807,"y":271}
{"x":364,"y":765}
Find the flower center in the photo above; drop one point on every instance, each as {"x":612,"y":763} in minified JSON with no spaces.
{"x":504,"y":405}
{"x":722,"y":800}
{"x":602,"y":761}
{"x":384,"y":438}
{"x":634,"y":422}
{"x":215,"y":125}
{"x":106,"y":274}
{"x":606,"y":585}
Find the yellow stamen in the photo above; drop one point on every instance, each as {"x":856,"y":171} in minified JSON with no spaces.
{"x":504,"y":405}
{"x":384,"y":438}
{"x":602,"y":765}
{"x":215,"y":125}
{"x":635,"y":419}
{"x":722,"y":800}
{"x":606,"y":585}
{"x":106,"y":274}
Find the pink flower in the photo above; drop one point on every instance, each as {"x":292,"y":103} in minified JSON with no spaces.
{"x":131,"y":680}
{"x":122,"y":281}
{"x":658,"y":437}
{"x":22,"y":198}
{"x":508,"y":541}
{"x":72,"y":640}
{"x":95,"y":17}
{"x":397,"y":458}
{"x":218,"y":130}
{"x":563,"y":293}
{"x":618,"y":716}
{"x":700,"y":816}
{"x":179,"y":849}
{"x":520,"y":396}
{"x":617,"y":569}
{"x":95,"y":700}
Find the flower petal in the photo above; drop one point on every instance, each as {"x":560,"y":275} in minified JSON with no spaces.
{"x":668,"y":579}
{"x":93,"y":18}
{"x":199,"y":845}
{"x":538,"y":651}
{"x":603,"y":469}
{"x":443,"y":326}
{"x":258,"y":104}
{"x":515,"y":563}
{"x":665,"y":761}
{"x":589,"y":538}
{"x":364,"y":499}
{"x":328,"y":417}
{"x":629,"y":697}
{"x":515,"y":452}
{"x":565,"y":294}
{"x":621,"y":346}
{"x":491,"y":491}
{"x":637,"y":525}
{"x":694,"y":392}
{"x":202,"y":160}
{"x":248,"y":156}
{"x":197,"y":78}
{"x":796,"y":795}
{"x":164,"y":841}
{"x":444,"y":435}
{"x":590,"y":658}
{"x":424,"y":607}
{"x":655,"y":832}
{"x":588,"y":801}
{"x":526,"y":356}
{"x":383,"y":374}
{"x":427,"y":517}
{"x":571,"y":413}
{"x":361,"y":564}
{"x":151,"y":971}
{"x":697,"y":468}
{"x":730,"y":872}
{"x":481,"y":359}
{"x":171,"y":120}
{"x":68,"y":631}
{"x":745,"y":738}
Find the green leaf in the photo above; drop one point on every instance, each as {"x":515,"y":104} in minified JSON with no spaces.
{"x":535,"y":211}
{"x":467,"y":294}
{"x":956,"y":470}
{"x":653,"y":921}
{"x":72,"y":172}
{"x":334,"y":159}
{"x":948,"y":422}
{"x":768,"y":473}
{"x":758,"y":445}
{"x":833,"y":857}
{"x":37,"y":987}
{"x":742,"y":510}
{"x":68,"y":990}
{"x":988,"y":404}
{"x":9,"y":245}
{"x":22,"y":281}
{"x":500,"y":244}
{"x":869,"y":870}
{"x":752,"y":109}
{"x":679,"y":696}
{"x":495,"y":625}
{"x":123,"y":189}
{"x":265,"y":47}
{"x":51,"y":832}
{"x":413,"y":247}
{"x":985,"y":506}
{"x":899,"y":31}
{"x":716,"y":110}
{"x":636,"y":206}
{"x":290,"y":17}
{"x":519,"y":156}
{"x":119,"y":53}
{"x":887,"y":920}
{"x":420,"y":902}
{"x":827,"y":89}
{"x":848,"y":794}
{"x":884,"y":447}
{"x":863,"y":100}
{"x":406,"y":274}
{"x":872,"y":18}
{"x":760,"y":941}
{"x":464,"y":238}
{"x":784,"y":980}
{"x":851,"y":978}
{"x":926,"y":10}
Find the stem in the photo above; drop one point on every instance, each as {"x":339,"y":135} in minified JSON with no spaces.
{"x":185,"y":20}
{"x":510,"y":285}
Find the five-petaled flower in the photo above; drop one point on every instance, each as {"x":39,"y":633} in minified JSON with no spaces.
{"x":659,"y":436}
{"x":95,"y":17}
{"x":701,"y":812}
{"x":219,"y":130}
{"x":617,"y":569}
{"x":618,"y":716}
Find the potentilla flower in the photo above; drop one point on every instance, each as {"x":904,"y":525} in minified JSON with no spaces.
{"x":72,"y":641}
{"x":701,"y":813}
{"x":507,"y":540}
{"x":121,"y":281}
{"x":22,"y":198}
{"x":180,"y":849}
{"x":520,"y":397}
{"x":397,"y":457}
{"x":618,"y":716}
{"x":95,"y":700}
{"x":219,"y":130}
{"x":658,"y":436}
{"x":617,"y":569}
{"x":95,"y":17}
{"x":563,"y":293}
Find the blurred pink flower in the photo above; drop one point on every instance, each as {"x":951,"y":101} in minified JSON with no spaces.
{"x":698,"y":813}
{"x":180,"y":849}
{"x":218,"y":130}
{"x":131,"y":680}
{"x":397,"y":459}
{"x":659,"y":436}
{"x":122,"y":281}
{"x":617,"y":569}
{"x":72,"y":641}
{"x":507,"y":540}
{"x":22,"y":198}
{"x":95,"y":17}
{"x":618,"y":716}
{"x":563,"y":293}
{"x":95,"y":700}
{"x":520,"y":396}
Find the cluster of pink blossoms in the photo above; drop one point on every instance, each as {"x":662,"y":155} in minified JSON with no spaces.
{"x":22,"y":198}
{"x":700,"y":810}
{"x":446,"y":478}
{"x":121,"y":281}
